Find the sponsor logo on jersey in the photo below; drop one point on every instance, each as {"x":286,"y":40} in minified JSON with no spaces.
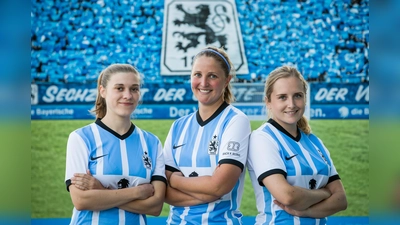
{"x":233,"y":146}
{"x":312,"y":184}
{"x":177,"y":146}
{"x":123,"y":183}
{"x":194,"y":174}
{"x":290,"y":157}
{"x":213,"y":146}
{"x":97,"y":157}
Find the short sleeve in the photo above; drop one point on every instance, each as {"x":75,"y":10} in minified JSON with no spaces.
{"x":170,"y":163}
{"x":159,"y":172}
{"x":77,"y":156}
{"x":264,"y":156}
{"x":235,"y":142}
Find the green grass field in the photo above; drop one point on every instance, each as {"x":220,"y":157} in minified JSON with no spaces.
{"x":347,"y":141}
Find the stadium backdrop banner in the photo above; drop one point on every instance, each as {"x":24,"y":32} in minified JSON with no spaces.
{"x":171,"y":101}
{"x":189,"y":26}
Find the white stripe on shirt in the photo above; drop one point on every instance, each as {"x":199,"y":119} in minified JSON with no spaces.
{"x":177,"y":155}
{"x":121,"y":215}
{"x":124,"y":158}
{"x":99,"y":148}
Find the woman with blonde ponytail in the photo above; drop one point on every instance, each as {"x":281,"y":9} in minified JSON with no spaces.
{"x":292,"y":173}
{"x":115,"y":171}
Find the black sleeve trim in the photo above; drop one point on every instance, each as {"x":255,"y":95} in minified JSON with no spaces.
{"x":159,"y":178}
{"x":268,"y":173}
{"x":172,"y":169}
{"x":233,"y":162}
{"x":68,"y":183}
{"x":333,"y":178}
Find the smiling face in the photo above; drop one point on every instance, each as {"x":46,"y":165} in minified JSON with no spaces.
{"x":208,"y":81}
{"x":121,"y":94}
{"x":287,"y":102}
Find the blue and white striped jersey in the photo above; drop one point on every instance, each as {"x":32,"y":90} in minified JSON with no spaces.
{"x":196,"y":148}
{"x":117,"y":162}
{"x":304,"y":161}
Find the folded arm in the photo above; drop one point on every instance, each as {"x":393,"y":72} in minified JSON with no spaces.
{"x":85,"y":191}
{"x":102,"y":199}
{"x":294,"y":197}
{"x":220,"y":183}
{"x":335,"y":203}
{"x":150,"y":206}
{"x":176,"y":197}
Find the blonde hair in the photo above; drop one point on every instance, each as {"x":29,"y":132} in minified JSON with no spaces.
{"x":105,"y":75}
{"x":284,"y":72}
{"x":223,"y":59}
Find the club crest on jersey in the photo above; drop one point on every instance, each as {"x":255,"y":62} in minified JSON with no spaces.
{"x":213,"y":146}
{"x":146,"y":161}
{"x":322,"y":155}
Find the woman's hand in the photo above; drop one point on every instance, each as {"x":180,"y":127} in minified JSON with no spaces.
{"x":85,"y":181}
{"x":289,"y":210}
{"x":146,"y":191}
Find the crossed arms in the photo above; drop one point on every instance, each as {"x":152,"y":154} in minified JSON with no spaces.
{"x":297,"y":201}
{"x":87,"y":193}
{"x":188,"y":191}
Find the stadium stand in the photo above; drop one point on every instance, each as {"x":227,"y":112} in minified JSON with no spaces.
{"x":72,"y":41}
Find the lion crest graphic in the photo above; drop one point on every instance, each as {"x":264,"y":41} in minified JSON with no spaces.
{"x":199,"y":20}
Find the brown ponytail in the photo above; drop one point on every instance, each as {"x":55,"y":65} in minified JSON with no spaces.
{"x":100,"y":107}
